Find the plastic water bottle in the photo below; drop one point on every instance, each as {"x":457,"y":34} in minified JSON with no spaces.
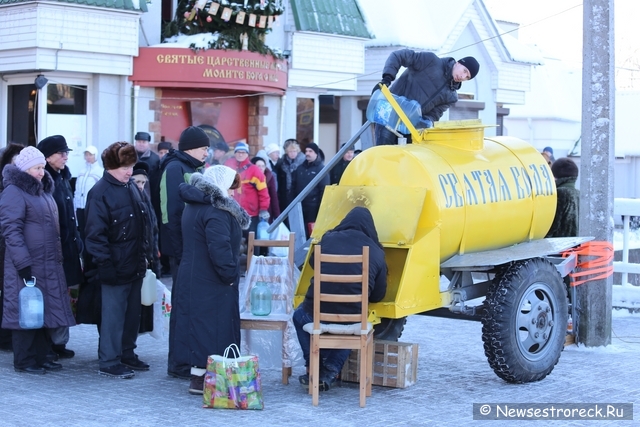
{"x":381,"y":112}
{"x":31,"y":306}
{"x":261,"y":299}
{"x":262,"y":233}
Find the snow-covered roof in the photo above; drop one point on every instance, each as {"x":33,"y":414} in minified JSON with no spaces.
{"x":556,"y":92}
{"x":520,"y":52}
{"x":423,"y":24}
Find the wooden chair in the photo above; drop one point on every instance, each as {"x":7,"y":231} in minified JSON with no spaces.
{"x":272,"y":322}
{"x":360,"y":336}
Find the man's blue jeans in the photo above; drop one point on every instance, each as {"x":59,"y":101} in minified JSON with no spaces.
{"x":331,"y":360}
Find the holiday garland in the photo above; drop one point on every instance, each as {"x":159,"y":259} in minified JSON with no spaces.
{"x":239,"y":25}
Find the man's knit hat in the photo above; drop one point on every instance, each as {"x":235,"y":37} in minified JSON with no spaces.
{"x":564,"y":168}
{"x":192,"y":137}
{"x":471,"y":64}
{"x":28,"y":158}
{"x":314,"y":147}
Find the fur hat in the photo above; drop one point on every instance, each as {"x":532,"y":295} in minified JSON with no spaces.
{"x":564,"y":168}
{"x":164,"y":146}
{"x":221,"y":176}
{"x":191,"y":138}
{"x":119,"y":154}
{"x":142,"y":136}
{"x":53,"y":144}
{"x":29,"y":157}
{"x":471,"y":64}
{"x":141,"y":168}
{"x":241,"y":146}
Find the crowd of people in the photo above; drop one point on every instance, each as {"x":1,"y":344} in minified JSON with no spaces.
{"x":132,"y":209}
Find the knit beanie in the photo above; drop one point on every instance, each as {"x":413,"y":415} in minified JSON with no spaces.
{"x":141,"y":168}
{"x":471,"y":64}
{"x":192,"y":137}
{"x":241,"y":146}
{"x":28,"y":158}
{"x":314,"y":147}
{"x":221,"y":176}
{"x":564,"y":168}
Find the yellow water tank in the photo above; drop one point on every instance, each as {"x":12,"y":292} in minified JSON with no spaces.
{"x":481,"y":193}
{"x":450,"y":192}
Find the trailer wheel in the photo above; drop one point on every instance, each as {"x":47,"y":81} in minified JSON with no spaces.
{"x":389,"y":329}
{"x":525,"y":323}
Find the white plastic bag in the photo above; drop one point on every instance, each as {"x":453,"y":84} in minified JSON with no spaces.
{"x":280,"y":233}
{"x":161,"y":312}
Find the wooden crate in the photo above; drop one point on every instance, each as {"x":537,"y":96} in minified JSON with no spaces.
{"x":395,"y":364}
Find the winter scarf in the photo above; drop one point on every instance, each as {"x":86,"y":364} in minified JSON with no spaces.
{"x":220,"y":201}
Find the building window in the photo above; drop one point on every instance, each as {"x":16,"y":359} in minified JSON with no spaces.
{"x":66,"y":99}
{"x":304,"y":121}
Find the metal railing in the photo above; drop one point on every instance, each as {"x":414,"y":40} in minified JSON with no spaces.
{"x":325,"y":170}
{"x":627,"y":208}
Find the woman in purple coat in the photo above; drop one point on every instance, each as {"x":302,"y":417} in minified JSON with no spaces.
{"x":29,"y":221}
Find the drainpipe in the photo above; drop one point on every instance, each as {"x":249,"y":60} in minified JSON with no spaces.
{"x":283,"y":102}
{"x":134,"y":110}
{"x":530,"y":131}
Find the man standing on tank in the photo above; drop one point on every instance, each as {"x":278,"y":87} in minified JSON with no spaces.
{"x":428,"y":79}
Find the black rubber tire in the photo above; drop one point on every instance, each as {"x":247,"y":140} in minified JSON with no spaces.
{"x":525,"y":324}
{"x":389,"y":329}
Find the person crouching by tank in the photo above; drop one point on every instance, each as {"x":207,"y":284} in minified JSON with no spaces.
{"x":33,"y":250}
{"x":118,"y":239}
{"x":209,"y":274}
{"x":356,"y":230}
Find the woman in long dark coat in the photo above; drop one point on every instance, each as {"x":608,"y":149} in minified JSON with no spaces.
{"x":7,"y":156}
{"x":206,"y":311}
{"x":29,"y":219}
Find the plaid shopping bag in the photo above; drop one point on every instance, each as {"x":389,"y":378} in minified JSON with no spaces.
{"x":232,"y":381}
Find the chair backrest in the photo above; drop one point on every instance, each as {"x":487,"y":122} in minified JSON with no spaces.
{"x":319,"y":296}
{"x":279,"y":293}
{"x":253,"y":242}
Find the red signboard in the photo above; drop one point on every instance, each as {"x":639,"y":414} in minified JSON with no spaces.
{"x":175,"y":67}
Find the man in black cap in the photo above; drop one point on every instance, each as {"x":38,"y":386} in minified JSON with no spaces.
{"x":428,"y":79}
{"x":220,"y":153}
{"x":163,"y":149}
{"x":177,"y":167}
{"x":56,"y":152}
{"x":145,"y":154}
{"x":302,"y":176}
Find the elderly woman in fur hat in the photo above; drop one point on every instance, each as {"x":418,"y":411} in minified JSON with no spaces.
{"x":207,"y":309}
{"x":118,"y":236}
{"x":33,"y":252}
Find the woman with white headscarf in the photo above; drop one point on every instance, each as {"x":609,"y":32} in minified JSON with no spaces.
{"x":207,"y":308}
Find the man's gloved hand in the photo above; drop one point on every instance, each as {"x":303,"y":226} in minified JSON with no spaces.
{"x":25,"y":273}
{"x":107,"y":274}
{"x":264,"y":215}
{"x":386,"y":80}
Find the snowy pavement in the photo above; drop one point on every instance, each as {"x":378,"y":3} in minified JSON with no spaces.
{"x":452,"y":375}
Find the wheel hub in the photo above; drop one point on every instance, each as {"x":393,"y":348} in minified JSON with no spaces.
{"x":535,"y":321}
